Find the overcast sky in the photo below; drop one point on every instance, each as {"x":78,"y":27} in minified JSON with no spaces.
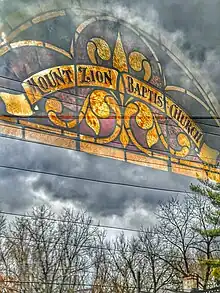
{"x":196,"y":23}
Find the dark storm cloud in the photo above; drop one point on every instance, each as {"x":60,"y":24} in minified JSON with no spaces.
{"x":195,"y":25}
{"x":100,"y":199}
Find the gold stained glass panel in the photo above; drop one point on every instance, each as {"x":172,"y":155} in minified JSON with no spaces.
{"x":123,"y":94}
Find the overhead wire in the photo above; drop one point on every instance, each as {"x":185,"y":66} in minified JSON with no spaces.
{"x":89,"y":247}
{"x":60,"y":283}
{"x":134,"y":151}
{"x":82,"y":97}
{"x":116,"y":183}
{"x":68,"y":221}
{"x":96,"y":247}
{"x":117,"y":143}
{"x":37,"y":116}
{"x":96,"y":180}
{"x":81,"y":223}
{"x":118,"y":146}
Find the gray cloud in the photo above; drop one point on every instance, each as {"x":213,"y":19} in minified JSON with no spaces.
{"x":100,"y":199}
{"x":193,"y":26}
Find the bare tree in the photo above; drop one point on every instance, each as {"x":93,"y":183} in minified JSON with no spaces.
{"x":157,"y":273}
{"x":78,"y":238}
{"x":101,"y":264}
{"x":43,"y":252}
{"x":48,"y":253}
{"x":175,"y":227}
{"x":124,"y":256}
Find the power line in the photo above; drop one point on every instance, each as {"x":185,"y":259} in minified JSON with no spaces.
{"x":67,"y":221}
{"x":94,"y":180}
{"x":82,"y":97}
{"x":59,"y":283}
{"x":101,"y":247}
{"x":88,"y":179}
{"x":77,"y":139}
{"x":65,"y":116}
{"x":36,"y":116}
{"x":96,"y":247}
{"x":112,"y":157}
{"x":73,"y":222}
{"x":90,"y":224}
{"x":114,"y":147}
{"x":109,"y":118}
